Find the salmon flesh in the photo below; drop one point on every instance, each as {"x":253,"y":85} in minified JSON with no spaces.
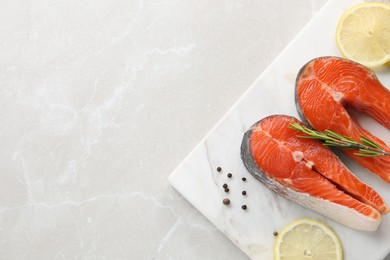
{"x":326,"y":86}
{"x":308,"y":173}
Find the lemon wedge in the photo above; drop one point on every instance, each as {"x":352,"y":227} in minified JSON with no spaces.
{"x":363,"y":34}
{"x":307,"y":239}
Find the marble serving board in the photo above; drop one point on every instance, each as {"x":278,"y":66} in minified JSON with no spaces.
{"x":199,"y":181}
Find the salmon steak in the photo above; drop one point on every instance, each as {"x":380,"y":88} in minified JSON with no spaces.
{"x":327,"y":86}
{"x":309,"y":173}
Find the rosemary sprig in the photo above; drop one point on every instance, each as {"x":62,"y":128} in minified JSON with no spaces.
{"x":366,"y":147}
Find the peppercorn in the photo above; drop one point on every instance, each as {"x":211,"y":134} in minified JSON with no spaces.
{"x":226,"y":201}
{"x":229,"y":175}
{"x":244,"y":207}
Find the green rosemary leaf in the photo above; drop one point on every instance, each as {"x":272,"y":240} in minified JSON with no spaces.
{"x":340,"y":137}
{"x":367,"y":154}
{"x":333,"y":134}
{"x":331,"y":142}
{"x":328,"y":144}
{"x":370,"y":142}
{"x":367,"y":147}
{"x":307,"y":136}
{"x":368,"y":151}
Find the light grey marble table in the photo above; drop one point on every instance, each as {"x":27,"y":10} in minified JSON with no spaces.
{"x":101,"y":100}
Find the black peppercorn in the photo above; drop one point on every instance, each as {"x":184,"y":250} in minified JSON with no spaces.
{"x":243,"y":192}
{"x":275,"y":233}
{"x":219,"y":169}
{"x":243,"y":179}
{"x":229,"y":175}
{"x":225,"y":186}
{"x":244,"y":207}
{"x":226,"y":189}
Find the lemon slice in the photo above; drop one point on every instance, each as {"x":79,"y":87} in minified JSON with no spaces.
{"x":363,"y":34}
{"x":307,"y":239}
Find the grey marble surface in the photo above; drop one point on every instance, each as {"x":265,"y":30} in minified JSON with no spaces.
{"x":101,"y":100}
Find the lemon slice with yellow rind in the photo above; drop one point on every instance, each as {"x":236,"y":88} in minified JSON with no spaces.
{"x":307,"y":239}
{"x":363,"y":34}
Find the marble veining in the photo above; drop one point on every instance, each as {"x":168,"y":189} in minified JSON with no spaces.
{"x":101,"y":100}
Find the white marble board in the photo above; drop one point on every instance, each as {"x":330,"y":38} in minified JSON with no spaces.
{"x":198,"y":180}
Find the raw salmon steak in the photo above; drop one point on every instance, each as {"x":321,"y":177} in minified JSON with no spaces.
{"x":308,"y":173}
{"x":326,"y":86}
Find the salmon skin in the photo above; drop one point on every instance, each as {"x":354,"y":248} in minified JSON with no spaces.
{"x":308,"y":173}
{"x":324,"y":88}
